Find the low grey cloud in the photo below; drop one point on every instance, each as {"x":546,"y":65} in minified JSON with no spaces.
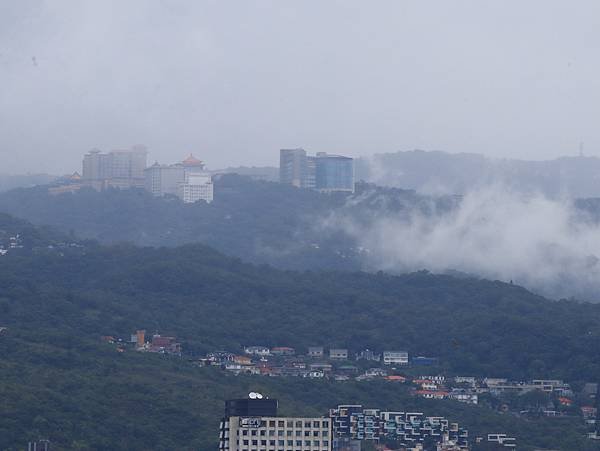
{"x":546,"y":245}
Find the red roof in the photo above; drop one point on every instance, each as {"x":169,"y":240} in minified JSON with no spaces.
{"x":395,"y":378}
{"x":192,"y":161}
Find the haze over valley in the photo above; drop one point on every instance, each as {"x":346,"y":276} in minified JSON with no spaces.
{"x":328,"y":225}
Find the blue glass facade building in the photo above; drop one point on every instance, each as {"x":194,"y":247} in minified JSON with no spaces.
{"x":334,"y":172}
{"x":323,"y":172}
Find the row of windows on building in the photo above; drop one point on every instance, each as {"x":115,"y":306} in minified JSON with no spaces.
{"x":283,"y":433}
{"x":298,"y":424}
{"x":272,"y":443}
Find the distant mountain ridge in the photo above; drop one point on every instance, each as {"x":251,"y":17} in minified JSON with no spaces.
{"x":441,"y":172}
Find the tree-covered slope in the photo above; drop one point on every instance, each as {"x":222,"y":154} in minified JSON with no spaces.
{"x":24,"y":235}
{"x":58,"y":381}
{"x":257,"y":221}
{"x":211,"y":301}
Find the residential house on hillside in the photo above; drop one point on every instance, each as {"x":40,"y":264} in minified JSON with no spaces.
{"x":368,"y":355}
{"x":316,"y":351}
{"x":424,"y":361}
{"x":395,"y":358}
{"x":325,"y":367}
{"x":257,"y":350}
{"x":503,"y":440}
{"x":338,"y":354}
{"x":283,"y":350}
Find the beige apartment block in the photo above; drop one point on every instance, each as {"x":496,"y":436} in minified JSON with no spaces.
{"x":275,"y":434}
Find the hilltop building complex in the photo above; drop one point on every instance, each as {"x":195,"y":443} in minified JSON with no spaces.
{"x":323,"y":172}
{"x":117,"y":168}
{"x":187,"y":180}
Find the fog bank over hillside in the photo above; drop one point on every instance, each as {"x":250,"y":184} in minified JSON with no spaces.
{"x":546,"y":245}
{"x":439,"y":172}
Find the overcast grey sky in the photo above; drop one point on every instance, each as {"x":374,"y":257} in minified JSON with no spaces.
{"x":234,"y":81}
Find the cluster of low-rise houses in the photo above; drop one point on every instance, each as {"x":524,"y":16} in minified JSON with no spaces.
{"x":318,"y":362}
{"x":340,"y":364}
{"x":156,"y":343}
{"x":8,"y":242}
{"x":15,"y":242}
{"x":468,"y":389}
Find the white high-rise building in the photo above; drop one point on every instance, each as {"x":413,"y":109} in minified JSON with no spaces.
{"x":186,"y":180}
{"x":395,"y":358}
{"x":197,"y":186}
{"x":164,"y":179}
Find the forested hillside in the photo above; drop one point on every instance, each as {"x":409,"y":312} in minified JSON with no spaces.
{"x":211,"y":301}
{"x":18,"y":236}
{"x":258,"y":221}
{"x":60,"y":382}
